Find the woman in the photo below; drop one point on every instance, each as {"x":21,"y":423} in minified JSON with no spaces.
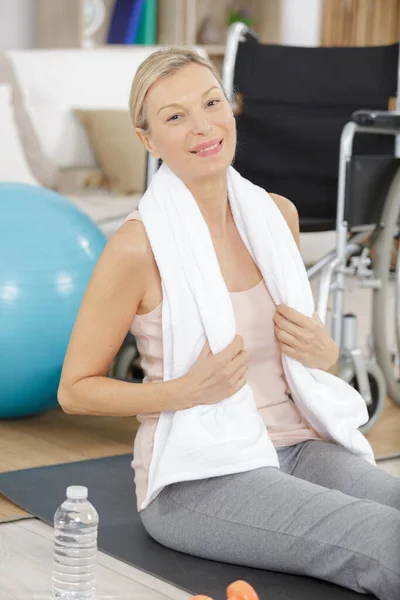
{"x":325,"y":512}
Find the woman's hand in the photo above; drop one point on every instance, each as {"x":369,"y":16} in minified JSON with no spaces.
{"x":305,"y":339}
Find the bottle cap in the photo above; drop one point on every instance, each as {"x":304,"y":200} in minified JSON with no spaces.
{"x":77,"y":492}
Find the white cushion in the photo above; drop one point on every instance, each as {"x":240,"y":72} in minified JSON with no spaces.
{"x":106,"y":210}
{"x":13,"y":164}
{"x":314,"y":245}
{"x":54,"y":82}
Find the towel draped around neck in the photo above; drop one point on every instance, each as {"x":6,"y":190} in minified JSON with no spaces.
{"x":230,"y":436}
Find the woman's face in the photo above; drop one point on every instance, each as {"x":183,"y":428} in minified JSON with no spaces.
{"x":192,"y":127}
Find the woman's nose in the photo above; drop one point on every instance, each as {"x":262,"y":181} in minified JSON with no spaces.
{"x":201,"y":124}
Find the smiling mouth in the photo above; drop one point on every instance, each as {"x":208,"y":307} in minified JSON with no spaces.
{"x":208,"y":149}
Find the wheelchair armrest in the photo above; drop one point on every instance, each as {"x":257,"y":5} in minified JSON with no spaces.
{"x":376,"y":118}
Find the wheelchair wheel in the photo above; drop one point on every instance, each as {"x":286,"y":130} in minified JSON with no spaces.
{"x":126,"y":364}
{"x":378,"y":390}
{"x":385,"y":308}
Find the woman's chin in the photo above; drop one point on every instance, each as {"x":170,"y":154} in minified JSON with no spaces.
{"x":203,"y":170}
{"x":214,"y":167}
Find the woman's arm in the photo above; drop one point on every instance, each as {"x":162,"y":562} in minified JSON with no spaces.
{"x":314,"y":333}
{"x":106,"y":313}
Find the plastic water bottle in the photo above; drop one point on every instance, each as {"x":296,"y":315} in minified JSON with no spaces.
{"x":75,"y":547}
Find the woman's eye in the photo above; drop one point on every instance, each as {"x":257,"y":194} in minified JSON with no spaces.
{"x":210,"y":103}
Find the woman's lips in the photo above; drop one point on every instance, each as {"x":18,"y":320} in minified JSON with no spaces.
{"x":210,"y":150}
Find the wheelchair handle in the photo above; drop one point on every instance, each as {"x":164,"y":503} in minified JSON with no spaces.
{"x":381,"y":119}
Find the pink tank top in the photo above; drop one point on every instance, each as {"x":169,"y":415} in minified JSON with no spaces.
{"x":254,"y":310}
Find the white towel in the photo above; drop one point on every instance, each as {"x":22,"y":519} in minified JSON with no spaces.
{"x":230,"y":436}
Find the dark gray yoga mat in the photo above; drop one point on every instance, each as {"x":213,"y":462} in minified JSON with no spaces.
{"x":122,"y":535}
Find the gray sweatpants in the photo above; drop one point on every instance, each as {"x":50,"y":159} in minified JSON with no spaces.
{"x":326,"y":513}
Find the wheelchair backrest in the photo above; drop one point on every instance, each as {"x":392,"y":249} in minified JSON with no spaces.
{"x":292,"y":106}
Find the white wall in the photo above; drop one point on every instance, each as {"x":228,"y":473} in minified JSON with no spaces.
{"x":17,"y":24}
{"x":301,"y":22}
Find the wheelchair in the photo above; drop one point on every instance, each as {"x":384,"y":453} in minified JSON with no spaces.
{"x":298,"y":111}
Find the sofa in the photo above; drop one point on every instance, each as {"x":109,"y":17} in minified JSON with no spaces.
{"x":65,"y":126}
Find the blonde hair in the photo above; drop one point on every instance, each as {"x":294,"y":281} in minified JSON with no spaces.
{"x":159,"y":64}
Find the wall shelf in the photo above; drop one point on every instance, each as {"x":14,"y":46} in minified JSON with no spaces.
{"x":59,"y":23}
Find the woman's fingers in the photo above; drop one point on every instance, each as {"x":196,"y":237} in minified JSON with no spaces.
{"x":293,"y":315}
{"x":288,"y":350}
{"x":289,"y":340}
{"x":301,"y":333}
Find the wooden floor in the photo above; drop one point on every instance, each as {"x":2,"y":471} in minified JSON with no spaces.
{"x":54,"y":438}
{"x":26,"y":545}
{"x":26,"y":555}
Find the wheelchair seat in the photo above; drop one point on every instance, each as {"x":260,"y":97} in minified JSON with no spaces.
{"x":310,"y":224}
{"x":292,"y":105}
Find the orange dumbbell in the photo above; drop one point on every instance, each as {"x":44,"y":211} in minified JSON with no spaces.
{"x":238,"y":590}
{"x":241,"y":590}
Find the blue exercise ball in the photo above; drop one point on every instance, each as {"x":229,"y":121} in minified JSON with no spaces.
{"x":48,"y":249}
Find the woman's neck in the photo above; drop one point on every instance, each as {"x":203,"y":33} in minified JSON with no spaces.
{"x":212,"y":199}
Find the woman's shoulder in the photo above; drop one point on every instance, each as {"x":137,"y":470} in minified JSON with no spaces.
{"x":289,"y":212}
{"x":130,"y":242}
{"x":287,"y":208}
{"x":133,"y":216}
